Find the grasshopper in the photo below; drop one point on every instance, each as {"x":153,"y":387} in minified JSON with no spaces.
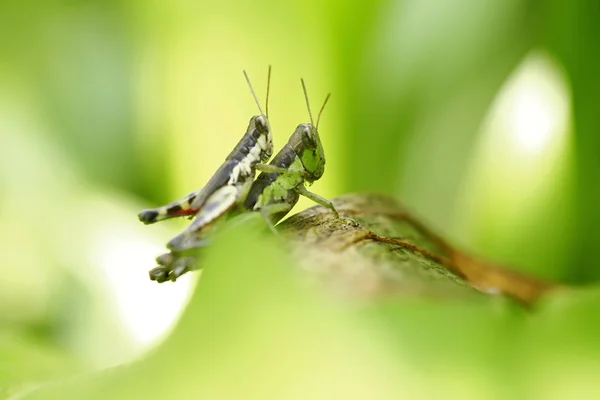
{"x":274,"y":193}
{"x":301,"y":160}
{"x":233,"y":176}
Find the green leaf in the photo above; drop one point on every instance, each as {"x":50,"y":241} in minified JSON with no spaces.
{"x":570,"y":30}
{"x":27,"y":362}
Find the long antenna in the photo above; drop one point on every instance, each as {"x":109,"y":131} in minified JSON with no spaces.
{"x":253,"y":94}
{"x":322,"y":108}
{"x":268,"y":87}
{"x":307,"y":104}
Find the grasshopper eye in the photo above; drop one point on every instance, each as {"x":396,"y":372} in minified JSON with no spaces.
{"x":261,"y":123}
{"x":308,"y":137}
{"x":307,"y":134}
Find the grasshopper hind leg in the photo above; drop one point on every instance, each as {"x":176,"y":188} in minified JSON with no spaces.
{"x":216,"y":208}
{"x":178,"y":208}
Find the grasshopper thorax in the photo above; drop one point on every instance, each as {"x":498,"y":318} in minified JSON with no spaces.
{"x":308,"y":147}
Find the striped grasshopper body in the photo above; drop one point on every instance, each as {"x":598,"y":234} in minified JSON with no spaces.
{"x":236,"y":173}
{"x":274,"y":193}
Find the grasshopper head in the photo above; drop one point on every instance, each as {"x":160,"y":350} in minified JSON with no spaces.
{"x":259,"y":124}
{"x":308,"y":147}
{"x":261,"y":130}
{"x":307,"y":144}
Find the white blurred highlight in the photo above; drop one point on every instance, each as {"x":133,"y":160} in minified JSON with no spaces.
{"x":145,"y":309}
{"x":521,"y":160}
{"x":130,"y":313}
{"x":75,"y":254}
{"x":535,"y":107}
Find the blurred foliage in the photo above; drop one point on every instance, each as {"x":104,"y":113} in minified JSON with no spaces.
{"x":109,"y":107}
{"x":252,"y":331}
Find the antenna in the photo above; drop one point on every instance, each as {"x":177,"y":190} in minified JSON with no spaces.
{"x":307,"y":104}
{"x":268,"y":87}
{"x":253,"y":94}
{"x":322,"y":108}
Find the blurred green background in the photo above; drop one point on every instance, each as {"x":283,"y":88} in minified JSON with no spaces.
{"x":481,"y":116}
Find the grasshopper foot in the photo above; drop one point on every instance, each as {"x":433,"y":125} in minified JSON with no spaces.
{"x":165,"y":260}
{"x":170,"y":267}
{"x":159,"y":274}
{"x":182,"y":266}
{"x":349,"y":221}
{"x":148,"y":216}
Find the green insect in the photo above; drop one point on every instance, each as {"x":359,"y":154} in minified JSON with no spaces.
{"x":274,"y":193}
{"x":232,"y":180}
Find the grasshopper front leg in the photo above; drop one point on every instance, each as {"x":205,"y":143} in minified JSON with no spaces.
{"x":273,"y":169}
{"x":301,"y":189}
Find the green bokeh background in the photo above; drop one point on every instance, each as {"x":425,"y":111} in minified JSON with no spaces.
{"x":110,"y":107}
